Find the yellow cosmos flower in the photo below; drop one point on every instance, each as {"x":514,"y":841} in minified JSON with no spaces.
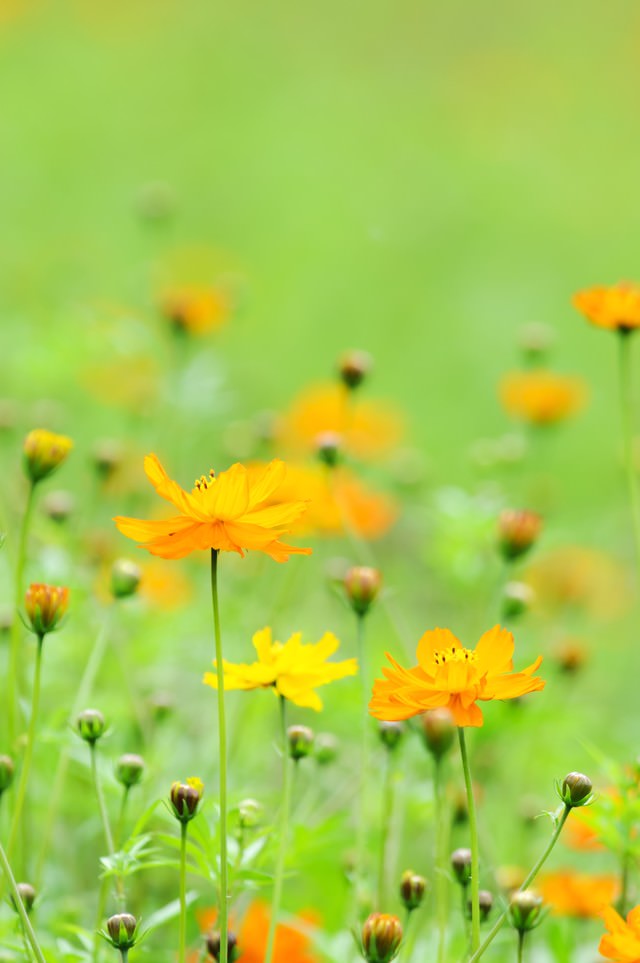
{"x":616,"y":308}
{"x":449,"y":675}
{"x":541,"y":397}
{"x":622,"y":941}
{"x":227,"y":512}
{"x":294,"y":670}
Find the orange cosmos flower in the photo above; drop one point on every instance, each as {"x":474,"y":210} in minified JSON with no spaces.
{"x":541,"y":397}
{"x":291,"y":943}
{"x":226,"y":512}
{"x":578,"y":894}
{"x":196,"y":310}
{"x":622,"y":942}
{"x":449,"y":675}
{"x":616,"y":308}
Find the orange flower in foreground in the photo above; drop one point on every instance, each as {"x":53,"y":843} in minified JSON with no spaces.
{"x":226,"y":512}
{"x":196,"y":310}
{"x":541,"y":397}
{"x":449,"y":675}
{"x":578,"y":894}
{"x":616,"y":308}
{"x":622,"y":942}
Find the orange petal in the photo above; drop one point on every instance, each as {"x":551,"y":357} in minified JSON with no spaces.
{"x":171,"y":490}
{"x":432,"y":641}
{"x":263,"y":481}
{"x":494,"y":651}
{"x":142,"y":530}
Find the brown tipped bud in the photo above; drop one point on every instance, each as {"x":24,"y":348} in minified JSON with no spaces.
{"x":381,"y":938}
{"x":58,"y":505}
{"x":125,"y":578}
{"x":525,"y":907}
{"x":576,"y":790}
{"x":300,"y":740}
{"x":184,"y":797}
{"x":45,"y":606}
{"x":461,"y":865}
{"x":518,"y":530}
{"x":391,"y":734}
{"x":122,"y":930}
{"x":438,"y":731}
{"x":326,"y":748}
{"x":43,"y":451}
{"x":213,"y":946}
{"x":27,"y":894}
{"x":107,"y":457}
{"x":354,"y":367}
{"x":570,"y":656}
{"x":412,"y":889}
{"x":517,"y":598}
{"x":250,"y":813}
{"x":328,"y":445}
{"x":362,"y":585}
{"x":91,"y":725}
{"x":129,"y":769}
{"x":485,"y":902}
{"x":6,"y":772}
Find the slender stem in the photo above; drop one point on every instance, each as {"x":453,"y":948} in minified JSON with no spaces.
{"x":521,"y":945}
{"x":183,"y":892}
{"x":14,"y":649}
{"x":626,"y":408}
{"x":24,"y":916}
{"x":499,"y":923}
{"x":473,"y":829}
{"x":624,"y":882}
{"x":385,"y":824}
{"x":125,"y":955}
{"x":361,"y":834}
{"x":28,"y":755}
{"x":104,"y":815}
{"x":442,"y":841}
{"x":121,"y":817}
{"x":222,"y":743}
{"x":282,"y":843}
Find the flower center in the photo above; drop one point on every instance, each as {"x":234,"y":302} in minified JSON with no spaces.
{"x":202,"y":484}
{"x":454,"y":654}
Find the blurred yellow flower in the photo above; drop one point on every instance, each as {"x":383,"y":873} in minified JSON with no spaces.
{"x":541,"y":397}
{"x":573,"y":575}
{"x":43,"y":452}
{"x":227,"y":512}
{"x":578,"y":894}
{"x":292,"y":669}
{"x":622,"y":941}
{"x":616,"y":308}
{"x":196,"y":310}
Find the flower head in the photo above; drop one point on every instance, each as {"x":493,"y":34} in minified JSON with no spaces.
{"x":622,"y":941}
{"x":45,"y":606}
{"x":43,"y":452}
{"x":578,"y":894}
{"x":541,"y":397}
{"x":227,"y":512}
{"x":616,"y":308}
{"x":449,"y":675}
{"x":293,"y":669}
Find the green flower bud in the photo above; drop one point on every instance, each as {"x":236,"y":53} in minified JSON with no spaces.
{"x":518,"y":530}
{"x":517,"y":598}
{"x":122,"y":931}
{"x":362,"y":585}
{"x":461,"y":865}
{"x":250,"y":813}
{"x":354,"y":367}
{"x":58,"y":505}
{"x":213,"y":946}
{"x":184,"y":797}
{"x":381,"y":938}
{"x":326,"y":748}
{"x":328,"y":447}
{"x":391,"y":734}
{"x":300,"y":741}
{"x":6,"y":772}
{"x":525,"y":907}
{"x":125,"y":578}
{"x":576,"y":790}
{"x":27,"y":894}
{"x":438,"y":731}
{"x":485,"y":902}
{"x":91,"y":725}
{"x":129,"y":769}
{"x":412,"y":889}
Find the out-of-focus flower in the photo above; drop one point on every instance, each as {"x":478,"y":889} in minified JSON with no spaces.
{"x":165,"y":588}
{"x":130,"y":382}
{"x":577,"y":576}
{"x":450,"y":675}
{"x":580,"y":831}
{"x":196,"y":310}
{"x":616,"y":308}
{"x":622,"y":941}
{"x":541,"y":397}
{"x":368,"y":428}
{"x":229,"y":512}
{"x":43,"y":452}
{"x":578,"y":894}
{"x":294,"y":670}
{"x":570,"y":655}
{"x":292,"y":943}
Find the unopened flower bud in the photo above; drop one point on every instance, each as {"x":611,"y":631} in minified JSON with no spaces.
{"x":362,"y":585}
{"x":412,"y":889}
{"x":438,"y":731}
{"x":535,"y":342}
{"x":122,"y":930}
{"x":570,"y":655}
{"x":326,"y":748}
{"x":185,"y":797}
{"x":300,"y":740}
{"x":461,"y":865}
{"x":155,"y":202}
{"x":45,"y":606}
{"x":91,"y":725}
{"x":43,"y":452}
{"x":58,"y":505}
{"x":518,"y":530}
{"x":328,"y":445}
{"x":525,"y":907}
{"x":485,"y":903}
{"x":107,"y":457}
{"x":27,"y":894}
{"x":390,"y":734}
{"x":576,"y":790}
{"x":129,"y":769}
{"x":6,"y":772}
{"x":517,"y":598}
{"x":125,"y":578}
{"x":250,"y":813}
{"x":381,"y":938}
{"x":213,"y":946}
{"x":354,"y":367}
{"x":162,"y":705}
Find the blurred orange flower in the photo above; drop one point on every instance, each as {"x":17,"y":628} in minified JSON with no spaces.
{"x":367,"y":428}
{"x":196,"y":310}
{"x":616,"y":308}
{"x":573,"y":575}
{"x":541,"y":397}
{"x":580,"y":833}
{"x":449,"y":675}
{"x":622,"y":941}
{"x":578,"y":894}
{"x":165,"y":588}
{"x":292,"y":944}
{"x":227,"y":512}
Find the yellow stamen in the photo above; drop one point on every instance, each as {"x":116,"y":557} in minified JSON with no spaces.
{"x":454,"y":654}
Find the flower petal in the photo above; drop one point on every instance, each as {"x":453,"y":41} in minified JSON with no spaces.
{"x":433,"y":641}
{"x":171,"y":490}
{"x":494,"y":651}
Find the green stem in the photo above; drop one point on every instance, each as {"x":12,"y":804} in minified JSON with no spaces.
{"x":125,"y":955}
{"x":14,"y":650}
{"x":626,"y":407}
{"x":282,"y":843}
{"x":28,"y":755}
{"x":24,"y":916}
{"x":624,"y":883}
{"x":520,"y":946}
{"x":183,"y":892}
{"x":222,"y":744}
{"x":499,"y":923}
{"x":442,"y":841}
{"x":104,"y":815}
{"x":473,"y":830}
{"x":121,"y":817}
{"x":385,"y":823}
{"x":361,"y":835}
